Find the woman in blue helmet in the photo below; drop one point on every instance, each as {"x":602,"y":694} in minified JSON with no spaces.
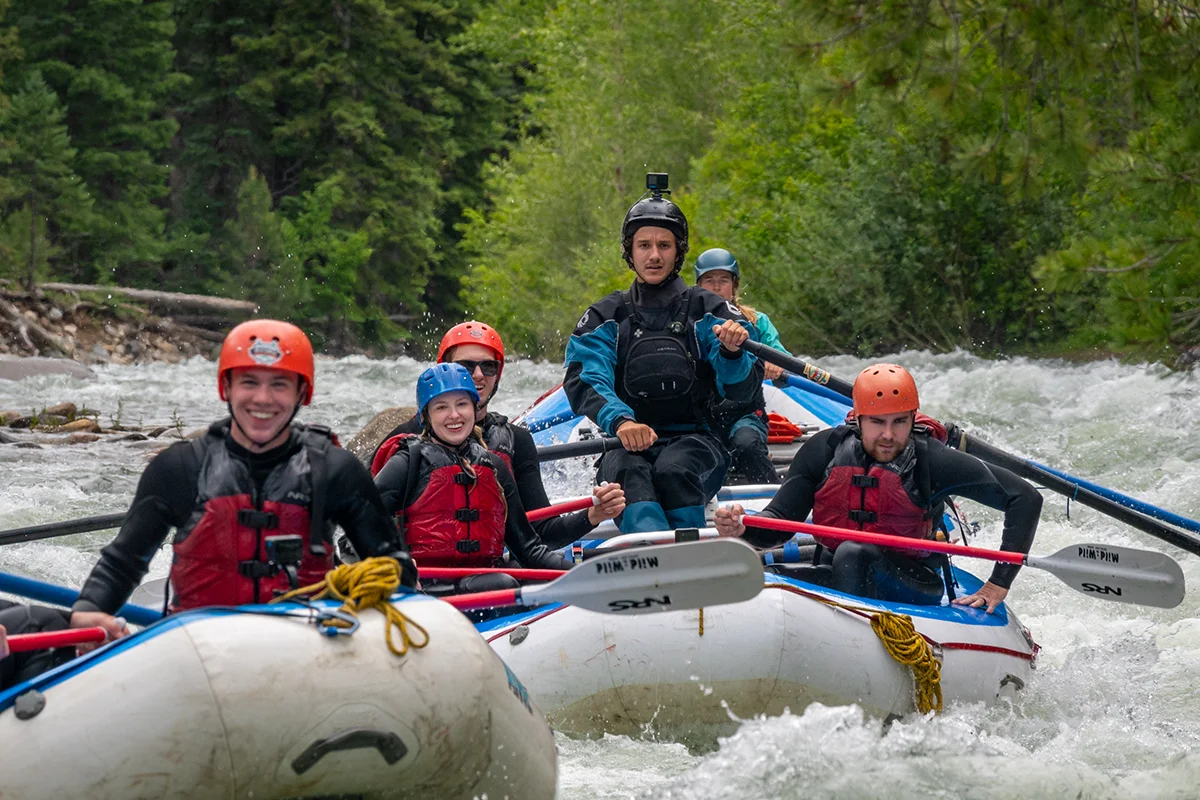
{"x":456,"y":502}
{"x":743,"y":423}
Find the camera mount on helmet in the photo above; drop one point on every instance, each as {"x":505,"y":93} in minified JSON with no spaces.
{"x":653,"y":209}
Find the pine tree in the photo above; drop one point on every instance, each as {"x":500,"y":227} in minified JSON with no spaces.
{"x":111,"y":62}
{"x":42,"y":187}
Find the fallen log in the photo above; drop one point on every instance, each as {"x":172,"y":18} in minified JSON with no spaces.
{"x":35,"y":336}
{"x":171,"y":300}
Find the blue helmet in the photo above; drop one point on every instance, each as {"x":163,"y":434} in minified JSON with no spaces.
{"x":441,"y":379}
{"x":716,"y":258}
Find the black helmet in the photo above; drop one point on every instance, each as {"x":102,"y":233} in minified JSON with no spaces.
{"x":659,"y":212}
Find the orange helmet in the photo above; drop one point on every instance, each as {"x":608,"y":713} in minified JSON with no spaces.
{"x":267,"y":344}
{"x":473,"y":333}
{"x":884,"y":389}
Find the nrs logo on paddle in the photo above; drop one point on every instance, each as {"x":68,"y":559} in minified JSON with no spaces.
{"x":628,"y":564}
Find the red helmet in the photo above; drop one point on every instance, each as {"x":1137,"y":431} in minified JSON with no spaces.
{"x":267,"y":344}
{"x":884,"y":389}
{"x":473,"y":333}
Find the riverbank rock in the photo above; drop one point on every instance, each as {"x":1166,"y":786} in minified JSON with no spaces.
{"x":16,"y":368}
{"x":364,"y":443}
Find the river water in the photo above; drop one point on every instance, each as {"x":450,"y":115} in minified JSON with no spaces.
{"x":1113,"y":710}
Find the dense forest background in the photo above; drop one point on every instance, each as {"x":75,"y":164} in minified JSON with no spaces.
{"x":996,"y":175}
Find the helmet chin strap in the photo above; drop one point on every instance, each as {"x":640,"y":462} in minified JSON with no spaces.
{"x":255,"y":442}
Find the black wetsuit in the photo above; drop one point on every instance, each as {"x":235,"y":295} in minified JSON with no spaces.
{"x":527,"y":471}
{"x":948,"y":471}
{"x":166,"y":498}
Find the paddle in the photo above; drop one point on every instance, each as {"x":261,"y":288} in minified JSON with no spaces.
{"x":1122,"y":574}
{"x":565,"y":507}
{"x":66,"y":528}
{"x":23,"y":642}
{"x":1065,"y":485}
{"x":584,"y":447}
{"x":664,"y":578}
{"x":521,"y":574}
{"x":62,"y":596}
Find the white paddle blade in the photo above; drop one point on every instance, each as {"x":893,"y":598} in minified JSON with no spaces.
{"x":1120,"y":574}
{"x":668,"y":577}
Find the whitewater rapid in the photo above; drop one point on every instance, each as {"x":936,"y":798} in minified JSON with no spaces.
{"x":1113,"y":710}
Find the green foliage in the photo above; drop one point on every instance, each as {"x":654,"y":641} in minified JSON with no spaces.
{"x":38,"y":182}
{"x":110,"y":60}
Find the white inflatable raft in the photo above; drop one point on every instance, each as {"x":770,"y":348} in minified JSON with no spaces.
{"x":794,"y":644}
{"x":257,"y":703}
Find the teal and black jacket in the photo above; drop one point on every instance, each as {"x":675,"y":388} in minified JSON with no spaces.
{"x":597,"y":356}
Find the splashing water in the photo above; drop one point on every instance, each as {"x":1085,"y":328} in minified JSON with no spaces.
{"x":1113,"y":710}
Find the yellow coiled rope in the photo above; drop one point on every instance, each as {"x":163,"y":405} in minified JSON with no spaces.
{"x":367,"y":584}
{"x":908,"y":647}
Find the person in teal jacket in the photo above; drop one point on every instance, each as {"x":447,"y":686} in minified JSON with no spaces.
{"x":743,"y":423}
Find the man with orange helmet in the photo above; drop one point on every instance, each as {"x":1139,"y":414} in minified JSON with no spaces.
{"x":884,"y":472}
{"x":479,"y":349}
{"x":253,"y":501}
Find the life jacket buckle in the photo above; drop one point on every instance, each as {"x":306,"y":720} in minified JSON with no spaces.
{"x":251,"y":518}
{"x":865,"y":481}
{"x":467,"y":515}
{"x":464,"y":479}
{"x":858,"y":515}
{"x":468,"y":546}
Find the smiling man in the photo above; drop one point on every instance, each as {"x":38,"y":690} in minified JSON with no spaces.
{"x":253,"y":502}
{"x":645,"y":365}
{"x":883,"y":473}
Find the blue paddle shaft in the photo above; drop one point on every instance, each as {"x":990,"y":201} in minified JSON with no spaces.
{"x":62,"y":596}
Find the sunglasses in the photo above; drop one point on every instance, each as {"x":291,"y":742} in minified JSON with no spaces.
{"x":490,"y":369}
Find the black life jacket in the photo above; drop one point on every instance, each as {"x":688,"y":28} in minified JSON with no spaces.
{"x":659,"y":372}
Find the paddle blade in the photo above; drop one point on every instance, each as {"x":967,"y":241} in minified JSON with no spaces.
{"x":667,"y":577}
{"x":1121,"y":574}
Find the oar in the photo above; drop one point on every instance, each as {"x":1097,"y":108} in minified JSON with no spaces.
{"x":801,"y":368}
{"x":994,"y":455}
{"x":584,"y":447}
{"x":664,"y":578}
{"x":23,"y":642}
{"x":1067,"y":486}
{"x":565,"y":507}
{"x":1125,"y":500}
{"x":66,"y":528}
{"x":62,"y":596}
{"x":1106,"y":571}
{"x":454,"y":573}
{"x":815,"y":388}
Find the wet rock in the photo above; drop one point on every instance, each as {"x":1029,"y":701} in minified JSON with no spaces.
{"x":196,"y":434}
{"x":5,"y":416}
{"x":80,"y":426}
{"x":154,"y":433}
{"x":45,"y":420}
{"x":132,"y":437}
{"x":364,"y":443}
{"x":19,"y":422}
{"x":16,"y":368}
{"x":6,"y":439}
{"x":28,"y":445}
{"x":55,"y":314}
{"x":83,"y":438}
{"x":62,"y":410}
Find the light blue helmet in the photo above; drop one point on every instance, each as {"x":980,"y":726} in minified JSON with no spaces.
{"x":716,"y":258}
{"x":441,"y":379}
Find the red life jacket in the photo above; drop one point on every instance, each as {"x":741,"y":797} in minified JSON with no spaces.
{"x":884,"y":498}
{"x":452,"y":516}
{"x":221,"y":553}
